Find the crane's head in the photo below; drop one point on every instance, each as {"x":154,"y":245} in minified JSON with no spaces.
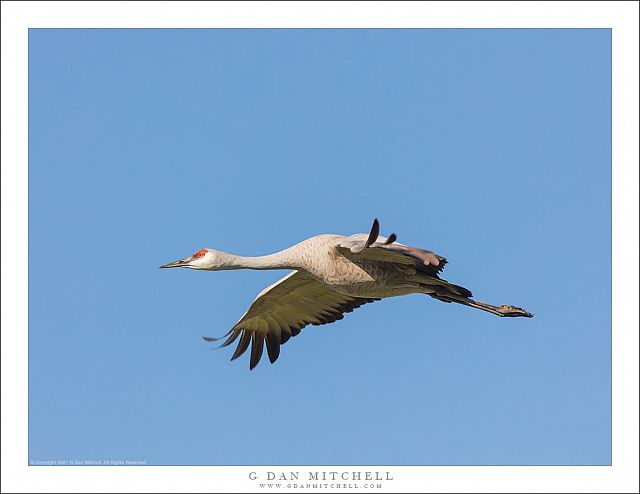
{"x":203,"y":259}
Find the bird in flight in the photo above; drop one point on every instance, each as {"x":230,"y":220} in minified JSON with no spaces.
{"x":331,"y":275}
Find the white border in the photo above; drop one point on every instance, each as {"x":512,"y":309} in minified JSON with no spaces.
{"x":622,"y":17}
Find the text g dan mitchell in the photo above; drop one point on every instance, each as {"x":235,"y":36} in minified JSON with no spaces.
{"x":317,"y":476}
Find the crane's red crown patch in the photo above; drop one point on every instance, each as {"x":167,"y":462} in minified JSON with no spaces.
{"x":200,"y":253}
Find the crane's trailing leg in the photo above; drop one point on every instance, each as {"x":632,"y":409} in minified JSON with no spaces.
{"x":499,"y":310}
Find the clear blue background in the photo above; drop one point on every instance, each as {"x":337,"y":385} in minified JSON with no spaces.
{"x":491,"y":147}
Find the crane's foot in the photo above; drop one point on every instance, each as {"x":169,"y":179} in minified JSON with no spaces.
{"x":512,"y":311}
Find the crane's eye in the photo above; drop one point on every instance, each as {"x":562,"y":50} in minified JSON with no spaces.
{"x":200,"y":253}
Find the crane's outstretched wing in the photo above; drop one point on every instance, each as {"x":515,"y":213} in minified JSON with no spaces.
{"x":281,"y":310}
{"x":378,"y":248}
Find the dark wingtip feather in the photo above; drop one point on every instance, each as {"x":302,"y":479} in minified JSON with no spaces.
{"x":373,"y":235}
{"x":211,"y":338}
{"x":392,"y":238}
{"x":242,"y":346}
{"x":231,"y":338}
{"x":256,"y":349}
{"x":273,"y":346}
{"x":285,"y":335}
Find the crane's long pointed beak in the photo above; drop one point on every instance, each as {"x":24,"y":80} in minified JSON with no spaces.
{"x":177,"y":264}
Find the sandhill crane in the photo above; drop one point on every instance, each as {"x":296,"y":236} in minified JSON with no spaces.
{"x":332,"y":274}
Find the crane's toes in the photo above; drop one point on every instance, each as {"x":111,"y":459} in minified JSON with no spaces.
{"x":513,"y":311}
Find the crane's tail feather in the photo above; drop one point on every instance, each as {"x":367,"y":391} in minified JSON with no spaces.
{"x":440,"y":287}
{"x":459,"y":290}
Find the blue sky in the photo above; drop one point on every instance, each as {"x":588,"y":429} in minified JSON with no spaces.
{"x":490,"y":147}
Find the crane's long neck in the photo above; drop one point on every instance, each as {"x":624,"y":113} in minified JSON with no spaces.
{"x":285,"y":259}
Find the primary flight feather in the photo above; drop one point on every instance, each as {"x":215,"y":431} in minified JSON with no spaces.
{"x":332,"y":275}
